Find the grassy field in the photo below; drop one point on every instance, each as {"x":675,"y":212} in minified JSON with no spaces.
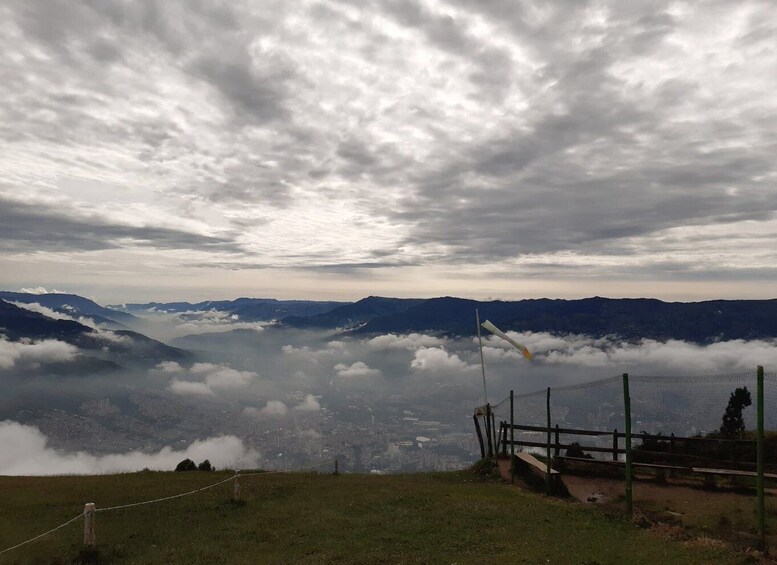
{"x":308,"y":518}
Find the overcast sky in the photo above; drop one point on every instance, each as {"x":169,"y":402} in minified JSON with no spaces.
{"x":341,"y":148}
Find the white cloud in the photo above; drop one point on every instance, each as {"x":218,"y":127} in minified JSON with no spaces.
{"x":437,"y":359}
{"x":358,"y":369}
{"x":211,"y":378}
{"x":41,"y":290}
{"x":169,"y":367}
{"x":409,"y":341}
{"x":309,"y":404}
{"x":45,"y":351}
{"x":24,"y":451}
{"x":190,"y":387}
{"x":210,"y":321}
{"x":99,"y":331}
{"x":274,"y":408}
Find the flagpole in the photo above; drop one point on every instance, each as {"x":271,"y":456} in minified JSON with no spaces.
{"x":482,"y":364}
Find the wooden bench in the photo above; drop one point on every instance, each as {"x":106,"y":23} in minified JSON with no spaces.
{"x":706,"y":472}
{"x":535,"y":464}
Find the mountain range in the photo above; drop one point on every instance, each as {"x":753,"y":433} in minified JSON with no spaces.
{"x":627,"y":318}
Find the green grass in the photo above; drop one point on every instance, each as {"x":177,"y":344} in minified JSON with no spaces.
{"x":305,"y":518}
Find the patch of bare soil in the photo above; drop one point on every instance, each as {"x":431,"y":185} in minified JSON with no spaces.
{"x":681,"y":508}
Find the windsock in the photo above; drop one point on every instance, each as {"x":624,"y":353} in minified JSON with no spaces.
{"x":496,"y":331}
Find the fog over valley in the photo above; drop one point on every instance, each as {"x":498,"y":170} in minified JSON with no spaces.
{"x":89,"y":389}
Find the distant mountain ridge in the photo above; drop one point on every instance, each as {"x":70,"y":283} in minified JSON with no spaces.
{"x":627,"y":318}
{"x":247,"y":309}
{"x":118,"y":347}
{"x":631,"y":319}
{"x":72,"y":305}
{"x":354,"y":315}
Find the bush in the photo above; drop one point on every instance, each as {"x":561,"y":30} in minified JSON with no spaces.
{"x":186,"y":465}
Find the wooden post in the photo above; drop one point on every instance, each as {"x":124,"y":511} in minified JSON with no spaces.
{"x":488,"y":431}
{"x":557,"y":450}
{"x":236,"y":487}
{"x":504,"y":439}
{"x":90,"y":538}
{"x":512,"y":440}
{"x":480,"y":436}
{"x":547,"y":478}
{"x":337,"y":468}
{"x":615,"y":444}
{"x":760,"y":458}
{"x":627,"y":417}
{"x":493,"y":430}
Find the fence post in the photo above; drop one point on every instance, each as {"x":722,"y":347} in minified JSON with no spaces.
{"x":615,"y":444}
{"x":503,"y":439}
{"x":760,"y":459}
{"x":547,"y":470}
{"x":627,"y":417}
{"x":488,"y":431}
{"x":337,"y":468}
{"x":512,"y":441}
{"x":236,"y":487}
{"x":90,"y":538}
{"x":557,"y":450}
{"x":480,"y":437}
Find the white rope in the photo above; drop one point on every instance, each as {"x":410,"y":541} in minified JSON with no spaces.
{"x":44,"y":534}
{"x":232,"y":478}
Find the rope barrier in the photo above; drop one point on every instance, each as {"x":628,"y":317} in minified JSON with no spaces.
{"x":43,"y":534}
{"x":232,"y":478}
{"x":155,"y":500}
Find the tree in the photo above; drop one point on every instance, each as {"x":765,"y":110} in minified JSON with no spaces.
{"x":186,"y":465}
{"x":205,"y":466}
{"x":733,"y":424}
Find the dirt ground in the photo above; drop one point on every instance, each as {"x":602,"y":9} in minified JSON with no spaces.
{"x":726,"y":513}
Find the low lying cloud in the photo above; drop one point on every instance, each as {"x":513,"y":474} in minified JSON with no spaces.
{"x":24,"y":451}
{"x":100,"y":332}
{"x":409,"y":341}
{"x":273,"y":408}
{"x":437,"y":359}
{"x":28,"y":351}
{"x":210,"y":321}
{"x":309,"y":404}
{"x":356,"y":370}
{"x":204,"y":378}
{"x":41,"y":290}
{"x":673,"y":354}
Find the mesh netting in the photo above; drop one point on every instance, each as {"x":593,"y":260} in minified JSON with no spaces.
{"x":683,"y":407}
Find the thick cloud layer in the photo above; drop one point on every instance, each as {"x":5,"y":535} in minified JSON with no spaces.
{"x":24,"y":450}
{"x":13,"y":353}
{"x":318,"y":148}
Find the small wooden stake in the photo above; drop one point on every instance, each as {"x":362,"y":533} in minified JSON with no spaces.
{"x":90,"y":538}
{"x":337,"y":468}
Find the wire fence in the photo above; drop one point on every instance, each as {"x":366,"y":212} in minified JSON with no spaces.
{"x":707,"y":425}
{"x":90,"y":509}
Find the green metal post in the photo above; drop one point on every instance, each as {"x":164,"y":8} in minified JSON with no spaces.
{"x":627,"y":417}
{"x":760,"y":459}
{"x":512,"y":440}
{"x":547,"y":478}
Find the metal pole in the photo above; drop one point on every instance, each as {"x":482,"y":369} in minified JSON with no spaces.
{"x":482,"y":363}
{"x":760,"y":459}
{"x":512,"y":441}
{"x":627,"y":417}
